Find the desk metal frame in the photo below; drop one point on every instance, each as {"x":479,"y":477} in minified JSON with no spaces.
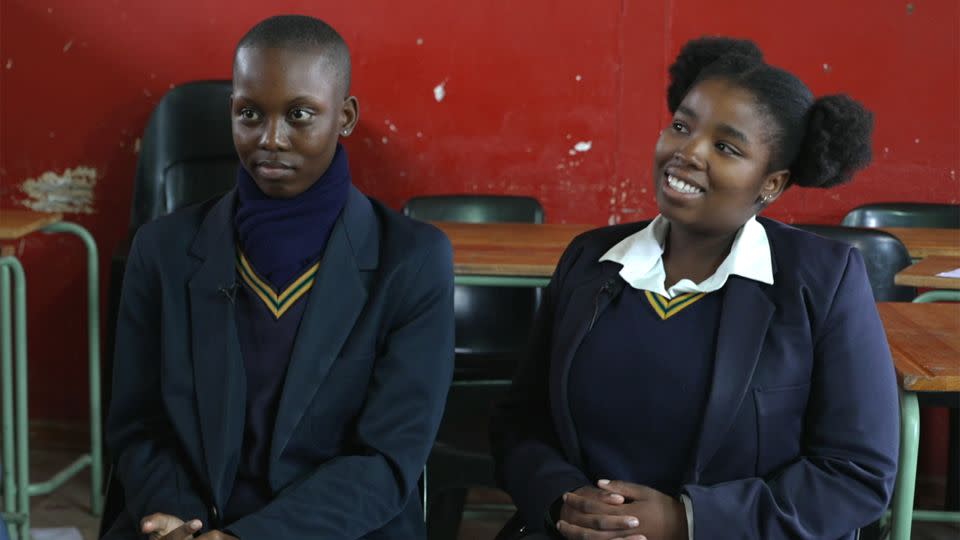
{"x":17,"y":488}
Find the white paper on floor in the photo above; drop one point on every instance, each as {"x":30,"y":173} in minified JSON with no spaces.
{"x":56,"y":533}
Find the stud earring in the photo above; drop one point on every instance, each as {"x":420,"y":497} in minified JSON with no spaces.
{"x":345,"y":133}
{"x":766,"y":198}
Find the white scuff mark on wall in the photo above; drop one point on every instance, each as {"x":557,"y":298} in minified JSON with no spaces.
{"x":67,"y":45}
{"x":440,"y":91}
{"x":49,"y":10}
{"x":578,"y":78}
{"x":384,"y":140}
{"x":9,"y":63}
{"x":52,"y":134}
{"x":136,"y":146}
{"x":419,"y":134}
{"x":612,"y":220}
{"x":147,"y":93}
{"x":70,"y":192}
{"x":916,"y":141}
{"x":582,"y":146}
{"x":419,"y":41}
{"x":393,"y":128}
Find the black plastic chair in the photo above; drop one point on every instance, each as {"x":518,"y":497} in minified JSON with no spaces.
{"x":186,"y":156}
{"x":492,"y":328}
{"x":946,"y":216}
{"x":883,"y":254}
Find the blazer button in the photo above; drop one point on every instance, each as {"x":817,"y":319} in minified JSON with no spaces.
{"x":214,"y":516}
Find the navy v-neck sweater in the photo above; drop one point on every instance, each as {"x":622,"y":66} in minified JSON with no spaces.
{"x":280,"y":242}
{"x":638,"y":388}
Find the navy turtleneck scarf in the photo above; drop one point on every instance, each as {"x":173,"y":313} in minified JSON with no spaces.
{"x":282,"y":237}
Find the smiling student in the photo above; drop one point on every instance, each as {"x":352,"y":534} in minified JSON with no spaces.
{"x":711,"y":374}
{"x":284,"y":351}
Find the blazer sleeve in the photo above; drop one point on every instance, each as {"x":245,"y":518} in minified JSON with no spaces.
{"x":529,"y":462}
{"x":140,"y":437}
{"x":844,"y":478}
{"x":352,"y":495}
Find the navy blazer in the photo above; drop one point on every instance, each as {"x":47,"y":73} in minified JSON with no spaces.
{"x":800,"y":433}
{"x":362,"y":399}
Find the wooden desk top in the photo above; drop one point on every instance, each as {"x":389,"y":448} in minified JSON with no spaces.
{"x":18,"y":223}
{"x":925,"y":342}
{"x":924,"y":273}
{"x":923,"y":242}
{"x":508,"y":249}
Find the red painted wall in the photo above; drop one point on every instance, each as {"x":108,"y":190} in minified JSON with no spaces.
{"x":524,"y":82}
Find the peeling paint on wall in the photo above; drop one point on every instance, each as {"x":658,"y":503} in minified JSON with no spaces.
{"x":70,"y":192}
{"x":440,"y":91}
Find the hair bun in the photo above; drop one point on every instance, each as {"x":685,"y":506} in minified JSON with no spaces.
{"x":697,"y":54}
{"x":836,"y":144}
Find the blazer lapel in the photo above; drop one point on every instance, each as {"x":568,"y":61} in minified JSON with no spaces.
{"x":333,"y":305}
{"x":586,"y":303}
{"x":744,"y":318}
{"x":217,"y":363}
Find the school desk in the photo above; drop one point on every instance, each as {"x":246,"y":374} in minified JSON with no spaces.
{"x":507,"y":254}
{"x":925,"y":344}
{"x":923,"y":242}
{"x":17,"y":489}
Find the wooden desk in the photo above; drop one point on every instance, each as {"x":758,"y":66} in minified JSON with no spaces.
{"x":925,"y":344}
{"x":507,"y":254}
{"x":924,"y":273}
{"x":923,"y":242}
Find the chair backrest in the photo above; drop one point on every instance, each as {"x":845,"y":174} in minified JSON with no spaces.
{"x":883,"y":254}
{"x":186,"y":154}
{"x":475,"y":208}
{"x":492,"y":323}
{"x":941,"y":216}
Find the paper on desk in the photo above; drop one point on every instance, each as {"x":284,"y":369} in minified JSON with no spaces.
{"x":59,"y":533}
{"x":955,"y":273}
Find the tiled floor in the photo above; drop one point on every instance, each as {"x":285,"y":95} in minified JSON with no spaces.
{"x":69,"y":507}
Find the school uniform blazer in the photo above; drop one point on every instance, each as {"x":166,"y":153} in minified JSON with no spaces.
{"x":799,"y":436}
{"x":362,"y":399}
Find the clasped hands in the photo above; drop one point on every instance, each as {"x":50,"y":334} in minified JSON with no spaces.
{"x":166,"y":527}
{"x":617,"y":510}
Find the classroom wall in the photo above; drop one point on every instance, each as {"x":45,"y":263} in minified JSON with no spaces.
{"x":522,"y":84}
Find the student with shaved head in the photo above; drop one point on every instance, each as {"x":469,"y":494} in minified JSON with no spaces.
{"x":283,"y":351}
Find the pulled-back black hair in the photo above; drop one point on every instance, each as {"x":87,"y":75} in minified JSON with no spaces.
{"x":301,"y":32}
{"x":822,"y":141}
